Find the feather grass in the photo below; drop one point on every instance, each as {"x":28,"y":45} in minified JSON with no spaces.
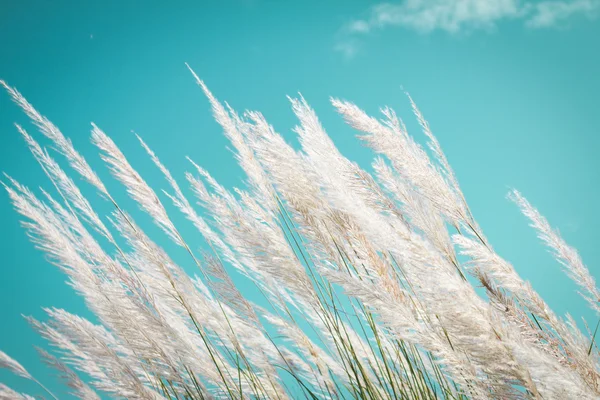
{"x":363,"y":293}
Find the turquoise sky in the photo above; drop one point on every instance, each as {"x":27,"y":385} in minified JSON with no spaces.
{"x":509,"y":87}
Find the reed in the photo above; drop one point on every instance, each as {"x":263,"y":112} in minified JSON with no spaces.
{"x":363,"y":277}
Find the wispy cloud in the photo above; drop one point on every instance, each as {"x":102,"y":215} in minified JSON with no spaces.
{"x":551,"y":13}
{"x":359,"y":26}
{"x":452,"y":16}
{"x":348,"y":48}
{"x":456,"y":16}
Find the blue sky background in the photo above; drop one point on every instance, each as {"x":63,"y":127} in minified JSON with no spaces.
{"x":509,"y":87}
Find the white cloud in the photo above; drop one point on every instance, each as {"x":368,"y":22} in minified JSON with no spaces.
{"x":452,"y":16}
{"x":459,"y":15}
{"x":348,"y":48}
{"x":456,"y":16}
{"x":359,"y":26}
{"x":550,"y":13}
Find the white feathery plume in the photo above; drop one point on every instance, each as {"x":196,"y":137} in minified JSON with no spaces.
{"x":112,"y":365}
{"x":109,"y":301}
{"x":258,"y":242}
{"x":488,"y":264}
{"x":174,"y":283}
{"x":60,"y":252}
{"x":65,"y":184}
{"x":565,"y":254}
{"x":114,"y":307}
{"x":81,"y":389}
{"x":297,"y":183}
{"x":408,"y":158}
{"x":182,"y":203}
{"x":137,"y":188}
{"x":552,"y":380}
{"x":511,"y":281}
{"x":233,"y":127}
{"x":405,"y":324}
{"x":310,"y":219}
{"x":361,"y":121}
{"x":341,"y":179}
{"x":63,"y":145}
{"x":280,"y":167}
{"x":464,"y":317}
{"x":179,"y":199}
{"x":83,"y":361}
{"x":416,"y":209}
{"x":447,"y":170}
{"x":78,"y":256}
{"x":324,"y":363}
{"x":303,"y":370}
{"x":412,"y":164}
{"x":265,"y":133}
{"x":224,"y":287}
{"x":272,"y":150}
{"x":47,"y":231}
{"x":500,"y":271}
{"x":13,"y":365}
{"x":250,"y":203}
{"x":501,"y":281}
{"x":434,"y":145}
{"x":7,"y":393}
{"x":99,"y":296}
{"x":226,"y":211}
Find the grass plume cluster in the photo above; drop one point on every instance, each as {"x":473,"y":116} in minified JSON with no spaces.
{"x":368,"y":281}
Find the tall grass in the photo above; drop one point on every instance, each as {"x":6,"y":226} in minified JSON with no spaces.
{"x":364,"y":279}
